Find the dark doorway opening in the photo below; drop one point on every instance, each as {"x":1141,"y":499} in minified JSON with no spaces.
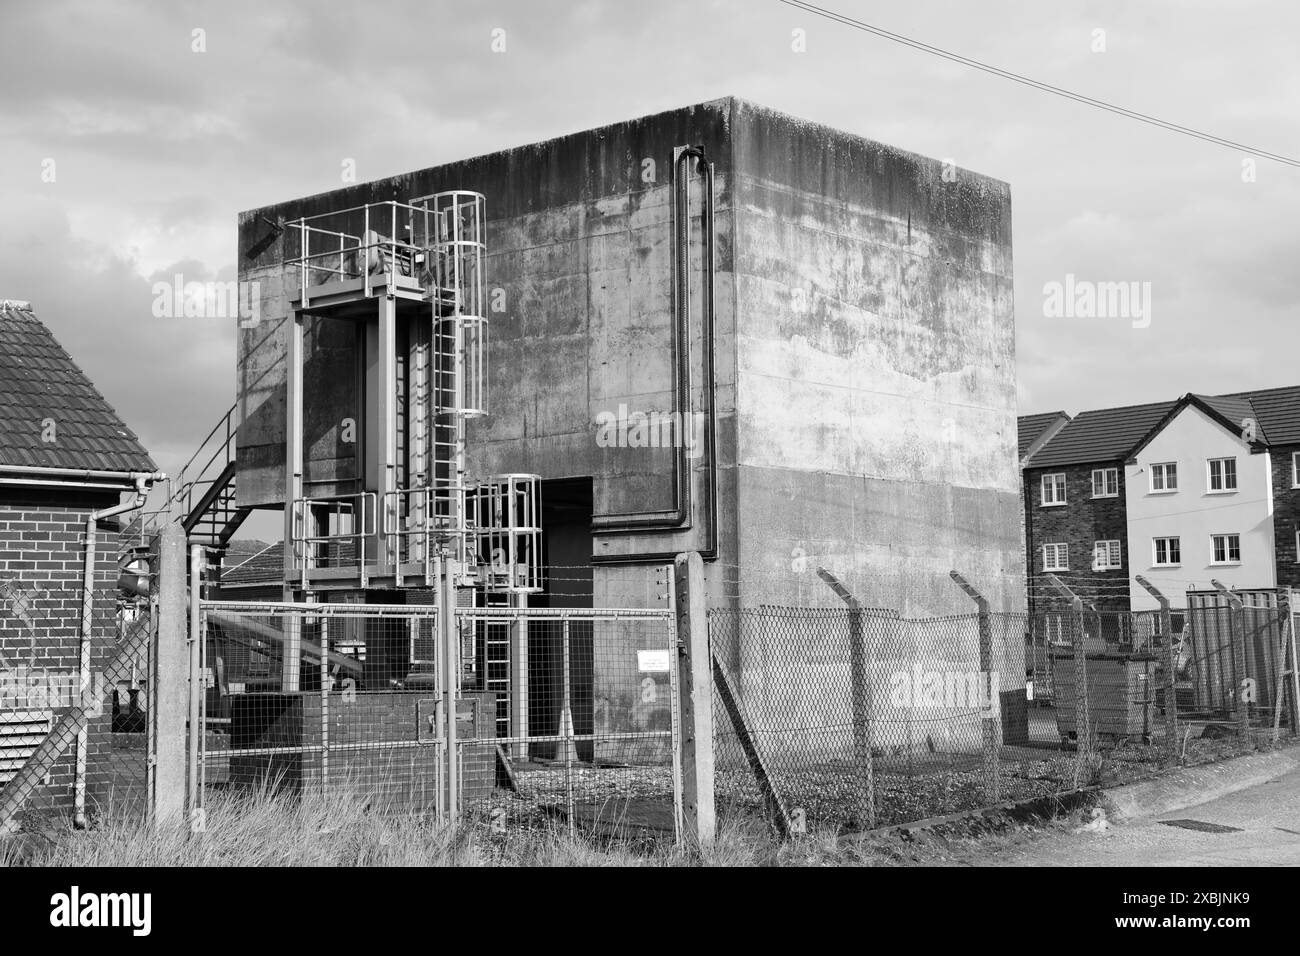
{"x":567,"y":579}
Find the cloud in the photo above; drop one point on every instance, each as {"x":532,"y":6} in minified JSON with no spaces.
{"x":158,"y":148}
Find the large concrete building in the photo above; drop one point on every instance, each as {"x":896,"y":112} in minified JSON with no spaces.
{"x":851,"y":400}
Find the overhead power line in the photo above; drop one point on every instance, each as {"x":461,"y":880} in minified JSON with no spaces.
{"x":1038,"y":84}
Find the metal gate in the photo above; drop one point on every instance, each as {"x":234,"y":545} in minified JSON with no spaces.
{"x":570,"y":714}
{"x":559,"y":714}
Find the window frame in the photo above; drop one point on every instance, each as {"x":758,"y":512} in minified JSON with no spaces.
{"x":1155,"y":551}
{"x":1226,"y":537}
{"x":1295,"y":469}
{"x":1117,"y":549}
{"x":1166,"y":469}
{"x":1042,"y":490}
{"x":1209,"y":475}
{"x":1065,"y":546}
{"x":1105,"y":474}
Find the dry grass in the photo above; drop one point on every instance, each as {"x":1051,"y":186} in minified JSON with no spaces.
{"x":268,"y":829}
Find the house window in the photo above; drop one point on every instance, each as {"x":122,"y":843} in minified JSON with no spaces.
{"x":1226,"y":548}
{"x":1295,"y":469}
{"x":1164,"y":477}
{"x":1167,"y":552}
{"x":1105,"y":482}
{"x":1297,"y":547}
{"x":1223,"y":474}
{"x":1106,"y":556}
{"x":1056,"y":557}
{"x":1054,"y":489}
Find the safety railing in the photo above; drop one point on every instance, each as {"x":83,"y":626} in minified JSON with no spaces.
{"x":331,"y":532}
{"x":327,"y":254}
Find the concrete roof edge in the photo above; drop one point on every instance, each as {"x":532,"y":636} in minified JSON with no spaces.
{"x":725,"y":103}
{"x":744,"y":104}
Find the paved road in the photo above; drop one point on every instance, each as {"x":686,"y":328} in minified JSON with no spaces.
{"x":1268,"y":816}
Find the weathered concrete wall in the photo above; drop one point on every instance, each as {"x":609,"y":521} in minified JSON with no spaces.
{"x":875,"y":372}
{"x":579,"y":242}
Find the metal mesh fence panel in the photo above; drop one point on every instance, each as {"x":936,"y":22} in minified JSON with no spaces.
{"x":585,"y":719}
{"x":565,"y":716}
{"x":322,"y":698}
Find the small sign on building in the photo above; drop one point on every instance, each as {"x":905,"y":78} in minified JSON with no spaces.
{"x":652,"y":661}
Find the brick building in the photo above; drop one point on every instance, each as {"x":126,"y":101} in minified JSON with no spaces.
{"x":65,"y":457}
{"x":1179,"y":492}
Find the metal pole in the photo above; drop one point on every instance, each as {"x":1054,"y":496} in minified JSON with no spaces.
{"x":566,"y":730}
{"x":988,"y":723}
{"x":450,"y":683}
{"x":860,"y":697}
{"x":1238,"y":660}
{"x":198,"y":685}
{"x":324,"y":704}
{"x":1082,"y":720}
{"x":1171,"y":670}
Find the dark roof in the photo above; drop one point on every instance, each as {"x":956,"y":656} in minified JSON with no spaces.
{"x":1104,"y":434}
{"x":265,"y":567}
{"x":1277,"y":412}
{"x":1109,"y":434}
{"x":1031,"y":427}
{"x":40,"y":381}
{"x":1235,"y":409}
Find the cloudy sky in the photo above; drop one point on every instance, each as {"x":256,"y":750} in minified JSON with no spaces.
{"x":156,"y":147}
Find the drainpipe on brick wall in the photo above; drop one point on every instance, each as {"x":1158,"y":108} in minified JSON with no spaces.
{"x":143,"y":482}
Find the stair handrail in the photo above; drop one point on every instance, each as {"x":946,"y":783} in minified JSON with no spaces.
{"x":180,"y":494}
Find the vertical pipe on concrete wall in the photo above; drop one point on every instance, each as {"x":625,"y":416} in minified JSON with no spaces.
{"x":680,"y":517}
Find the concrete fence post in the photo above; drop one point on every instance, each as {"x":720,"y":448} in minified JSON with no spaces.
{"x":169,"y":680}
{"x":860,"y":698}
{"x":990,"y":744}
{"x":1238,"y":632}
{"x":695,"y":689}
{"x":1171,"y":670}
{"x":1082,"y":719}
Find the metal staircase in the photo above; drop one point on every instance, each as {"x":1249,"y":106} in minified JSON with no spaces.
{"x":202,"y":497}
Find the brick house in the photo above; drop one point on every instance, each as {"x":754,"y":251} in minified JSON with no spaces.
{"x":1124,"y":491}
{"x":1277,"y":413}
{"x":66,"y":458}
{"x":1075,"y":516}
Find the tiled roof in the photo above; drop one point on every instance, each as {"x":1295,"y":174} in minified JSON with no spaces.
{"x":265,"y":567}
{"x":1277,"y":411}
{"x":44,"y":396}
{"x":1104,"y":434}
{"x":1236,"y":409}
{"x":1108,"y":434}
{"x":1030,"y":427}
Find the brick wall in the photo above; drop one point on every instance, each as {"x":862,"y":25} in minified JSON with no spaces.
{"x":1080,"y":523}
{"x":1286,"y":517}
{"x":42,"y":542}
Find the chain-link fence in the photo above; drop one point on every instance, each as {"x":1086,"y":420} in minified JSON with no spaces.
{"x":583,"y":726}
{"x":75,"y":686}
{"x":859,"y":717}
{"x":560,"y":715}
